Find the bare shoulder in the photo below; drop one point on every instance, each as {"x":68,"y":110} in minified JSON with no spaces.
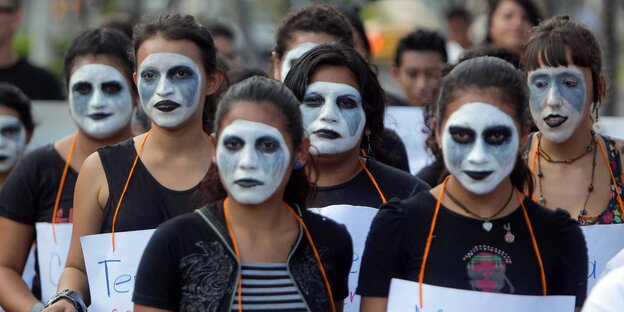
{"x":92,"y":179}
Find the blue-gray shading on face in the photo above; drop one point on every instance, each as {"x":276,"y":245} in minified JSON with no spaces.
{"x":570,"y":85}
{"x":12,"y":131}
{"x":266,"y":152}
{"x":347,"y":105}
{"x":495,"y":140}
{"x":183,"y":79}
{"x":83,"y":91}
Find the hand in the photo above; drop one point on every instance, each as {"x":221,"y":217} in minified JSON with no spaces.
{"x":63,"y":305}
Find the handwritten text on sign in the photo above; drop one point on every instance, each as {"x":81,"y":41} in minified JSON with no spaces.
{"x":603,"y":243}
{"x":409,"y":123}
{"x":357,"y":219}
{"x":112,"y":274}
{"x":52,"y":255}
{"x":404,"y":296}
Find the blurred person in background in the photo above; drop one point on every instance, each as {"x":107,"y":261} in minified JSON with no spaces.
{"x":35,"y":82}
{"x":458,"y":22}
{"x":16,"y":127}
{"x":225,"y":41}
{"x":509,"y":23}
{"x":418,"y":62}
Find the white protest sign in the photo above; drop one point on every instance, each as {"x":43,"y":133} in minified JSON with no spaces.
{"x":358,"y":220}
{"x":52,"y":255}
{"x":604,"y":241}
{"x":404,"y":296}
{"x":112,"y":273}
{"x":28,"y":274}
{"x":409,"y":123}
{"x":613,"y":126}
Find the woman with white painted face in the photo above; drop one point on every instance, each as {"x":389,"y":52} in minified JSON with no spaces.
{"x":16,"y":127}
{"x":567,"y":84}
{"x":343,"y":108}
{"x":477,"y":231}
{"x":143,"y":181}
{"x":98,"y":73}
{"x":254,"y":246}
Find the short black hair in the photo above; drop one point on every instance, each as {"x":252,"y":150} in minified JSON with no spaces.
{"x":13,"y":98}
{"x":421,"y":40}
{"x":351,"y":12}
{"x":457,"y":11}
{"x":217,"y":28}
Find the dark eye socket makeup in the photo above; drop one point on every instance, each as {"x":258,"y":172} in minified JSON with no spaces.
{"x":313,"y":100}
{"x":111,"y":87}
{"x":180,"y":72}
{"x":10,"y":130}
{"x":346,"y":102}
{"x":267,"y":144}
{"x":497,"y":135}
{"x":233,"y":143}
{"x":82,"y":88}
{"x":462,"y":135}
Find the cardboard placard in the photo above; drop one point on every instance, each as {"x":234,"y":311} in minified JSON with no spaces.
{"x":52,"y":255}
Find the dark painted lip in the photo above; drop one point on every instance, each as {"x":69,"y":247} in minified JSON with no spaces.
{"x":99,"y":116}
{"x":166,"y":106}
{"x":4,"y":157}
{"x":478,"y":175}
{"x":327,"y":134}
{"x":248,"y":183}
{"x":555,"y":120}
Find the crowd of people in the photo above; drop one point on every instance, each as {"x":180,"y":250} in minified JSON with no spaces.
{"x":238,"y":167}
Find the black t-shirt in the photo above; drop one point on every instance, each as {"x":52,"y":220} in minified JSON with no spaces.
{"x":391,"y":151}
{"x":432,"y":173}
{"x":29,"y":193}
{"x":146,"y":203}
{"x":189,"y":264}
{"x":464,"y":256}
{"x":360,"y":191}
{"x":35,"y":82}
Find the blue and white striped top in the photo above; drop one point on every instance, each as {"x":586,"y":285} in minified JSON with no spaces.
{"x":268,"y":287}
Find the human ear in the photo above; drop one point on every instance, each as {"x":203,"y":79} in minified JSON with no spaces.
{"x":394,"y":71}
{"x":302,"y":154}
{"x":134,"y":78}
{"x":277,"y":66}
{"x":214,"y":82}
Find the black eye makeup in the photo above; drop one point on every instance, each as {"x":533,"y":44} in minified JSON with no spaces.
{"x":462,"y":135}
{"x":267,"y":144}
{"x":10,"y":130}
{"x":180,"y":72}
{"x":111,"y":87}
{"x":233,"y":143}
{"x":346,"y":102}
{"x":313,"y":100}
{"x":497,"y":135}
{"x":82,"y":88}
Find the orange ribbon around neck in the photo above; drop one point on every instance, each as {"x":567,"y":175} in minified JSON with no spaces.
{"x":421,"y":275}
{"x":606,"y":158}
{"x":310,"y":240}
{"x":62,"y":183}
{"x":372,"y":178}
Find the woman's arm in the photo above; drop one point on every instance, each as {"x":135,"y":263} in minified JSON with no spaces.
{"x":15,"y":242}
{"x":142,"y":308}
{"x":89,"y":198}
{"x":373,"y":304}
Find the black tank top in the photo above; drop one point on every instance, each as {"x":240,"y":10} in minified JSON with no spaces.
{"x":147,"y":203}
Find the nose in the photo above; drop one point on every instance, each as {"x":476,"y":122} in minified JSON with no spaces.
{"x":479,"y":155}
{"x":164,"y":88}
{"x":554,"y":97}
{"x":248,"y":158}
{"x":329,"y":112}
{"x":97,"y":100}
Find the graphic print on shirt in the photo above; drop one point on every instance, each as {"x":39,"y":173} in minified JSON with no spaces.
{"x":486,"y":269}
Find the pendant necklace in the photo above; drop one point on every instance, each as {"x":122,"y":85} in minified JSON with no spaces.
{"x":509,"y":237}
{"x":487,"y":225}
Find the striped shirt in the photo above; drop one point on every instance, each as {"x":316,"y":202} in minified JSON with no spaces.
{"x":268,"y":287}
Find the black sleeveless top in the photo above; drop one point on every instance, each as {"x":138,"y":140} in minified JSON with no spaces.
{"x":147,"y":203}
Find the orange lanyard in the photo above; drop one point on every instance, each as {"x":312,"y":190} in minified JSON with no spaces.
{"x":372,"y":178}
{"x":309,"y":237}
{"x":421,"y":275}
{"x":62,"y":183}
{"x":606,"y":158}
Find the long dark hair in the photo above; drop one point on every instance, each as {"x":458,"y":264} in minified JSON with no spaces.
{"x":182,"y":27}
{"x":264,"y":91}
{"x":490,"y":73}
{"x":373,"y":96}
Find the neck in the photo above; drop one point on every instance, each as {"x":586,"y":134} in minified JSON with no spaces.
{"x":257,"y":219}
{"x":3,"y":177}
{"x":86,"y":145}
{"x":483,"y":205}
{"x":183,"y":138}
{"x":8,"y":56}
{"x":572,"y":147}
{"x":338,"y":168}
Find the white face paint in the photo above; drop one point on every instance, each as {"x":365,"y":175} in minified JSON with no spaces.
{"x":12,"y":141}
{"x":333,"y":117}
{"x":291,"y":57}
{"x":557,"y":100}
{"x":99,"y":100}
{"x":252,"y":158}
{"x":480,"y":145}
{"x":170,"y":88}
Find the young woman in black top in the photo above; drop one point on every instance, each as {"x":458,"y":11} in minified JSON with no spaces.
{"x":342,"y":104}
{"x":98,"y":73}
{"x":477,"y":231}
{"x":254,"y":246}
{"x":176,"y":77}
